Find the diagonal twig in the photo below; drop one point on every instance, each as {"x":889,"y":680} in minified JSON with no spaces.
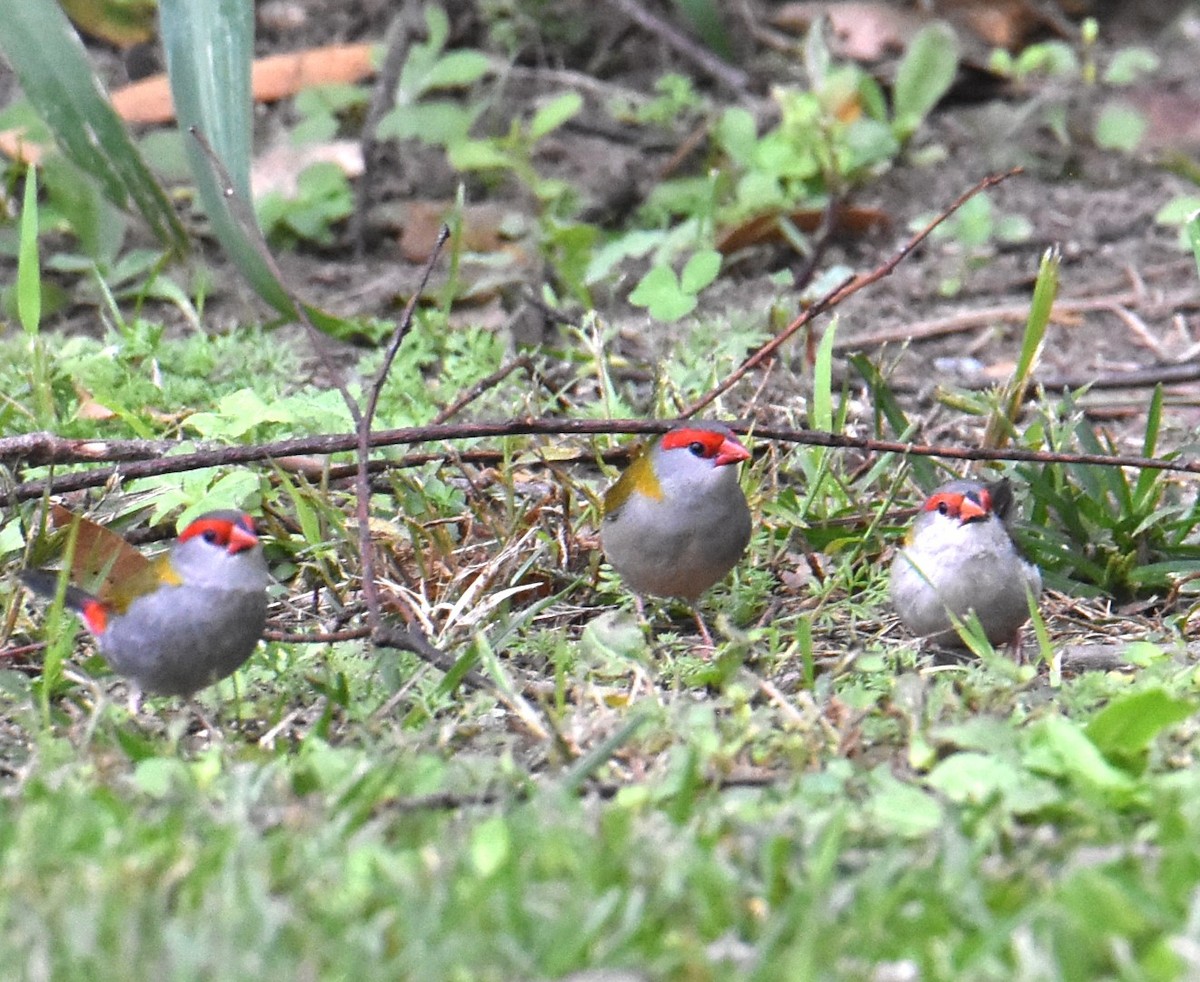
{"x":843,"y":290}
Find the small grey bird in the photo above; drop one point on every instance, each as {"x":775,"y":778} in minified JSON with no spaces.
{"x":186,"y":619}
{"x":676,"y":521}
{"x":959,"y":557}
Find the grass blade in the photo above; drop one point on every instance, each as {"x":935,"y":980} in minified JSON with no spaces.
{"x":50,"y":61}
{"x":1003,"y":420}
{"x":209,"y":47}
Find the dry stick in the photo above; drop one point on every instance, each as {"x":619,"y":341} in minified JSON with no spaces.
{"x":409,"y":638}
{"x":406,"y":640}
{"x":342,"y":443}
{"x":397,"y":41}
{"x":702,"y":58}
{"x":954,"y":323}
{"x":480,"y":387}
{"x":839,"y":293}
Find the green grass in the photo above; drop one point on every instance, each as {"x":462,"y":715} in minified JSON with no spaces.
{"x":819,"y":802}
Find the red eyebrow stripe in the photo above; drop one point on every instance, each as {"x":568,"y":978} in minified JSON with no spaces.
{"x":945,"y":498}
{"x":711,"y":440}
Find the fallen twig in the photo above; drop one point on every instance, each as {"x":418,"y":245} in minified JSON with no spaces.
{"x":839,"y":293}
{"x":733,"y":78}
{"x":970,"y":319}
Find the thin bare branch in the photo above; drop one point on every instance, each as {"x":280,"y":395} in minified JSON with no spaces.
{"x":839,"y":293}
{"x":346,"y":442}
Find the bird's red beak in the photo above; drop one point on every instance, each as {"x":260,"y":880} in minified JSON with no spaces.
{"x":730,"y":452}
{"x":974,"y":511}
{"x":241,"y":539}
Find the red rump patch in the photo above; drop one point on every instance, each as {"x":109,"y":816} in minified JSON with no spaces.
{"x":95,"y":616}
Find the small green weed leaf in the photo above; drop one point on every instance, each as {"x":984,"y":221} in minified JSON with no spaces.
{"x":1192,"y":230}
{"x":1103,"y":895}
{"x":614,"y":634}
{"x":456,"y":69}
{"x":660,"y":293}
{"x":700,"y":270}
{"x":1058,"y":747}
{"x":11,"y":538}
{"x":237,"y":489}
{"x":925,"y":74}
{"x":974,"y":223}
{"x":491,"y":845}
{"x":553,"y":114}
{"x":1120,"y":127}
{"x":1143,"y":653}
{"x":323,"y":198}
{"x":868,"y":142}
{"x":1124,"y":729}
{"x":159,"y":776}
{"x":1051,"y":58}
{"x":975,"y":778}
{"x":479,"y":155}
{"x":637,"y":243}
{"x":737,"y":134}
{"x":1129,"y":64}
{"x":437,"y":122}
{"x":237,"y":414}
{"x":1013,"y":229}
{"x":821,"y":416}
{"x":902,"y":809}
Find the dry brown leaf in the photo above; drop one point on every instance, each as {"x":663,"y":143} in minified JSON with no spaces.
{"x":421,"y":223}
{"x":849,"y":220}
{"x":1172,"y":117}
{"x":273,"y":78}
{"x":1009,"y":24}
{"x":89,"y":408}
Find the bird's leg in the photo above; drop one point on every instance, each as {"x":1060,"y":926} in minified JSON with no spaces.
{"x":1016,"y":648}
{"x":705,"y":635}
{"x":640,"y":605}
{"x":197,"y":714}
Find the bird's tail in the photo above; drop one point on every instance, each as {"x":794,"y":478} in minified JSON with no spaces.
{"x":45,"y":583}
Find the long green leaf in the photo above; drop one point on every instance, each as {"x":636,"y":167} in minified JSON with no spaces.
{"x":209,"y":46}
{"x":49,"y":59}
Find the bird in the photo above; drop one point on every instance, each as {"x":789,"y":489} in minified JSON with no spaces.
{"x":959,"y":557}
{"x":676,"y":520}
{"x":184,"y":620}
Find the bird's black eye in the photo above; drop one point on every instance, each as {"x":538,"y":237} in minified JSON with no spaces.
{"x":696,"y":449}
{"x":943,"y":508}
{"x":209,"y":535}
